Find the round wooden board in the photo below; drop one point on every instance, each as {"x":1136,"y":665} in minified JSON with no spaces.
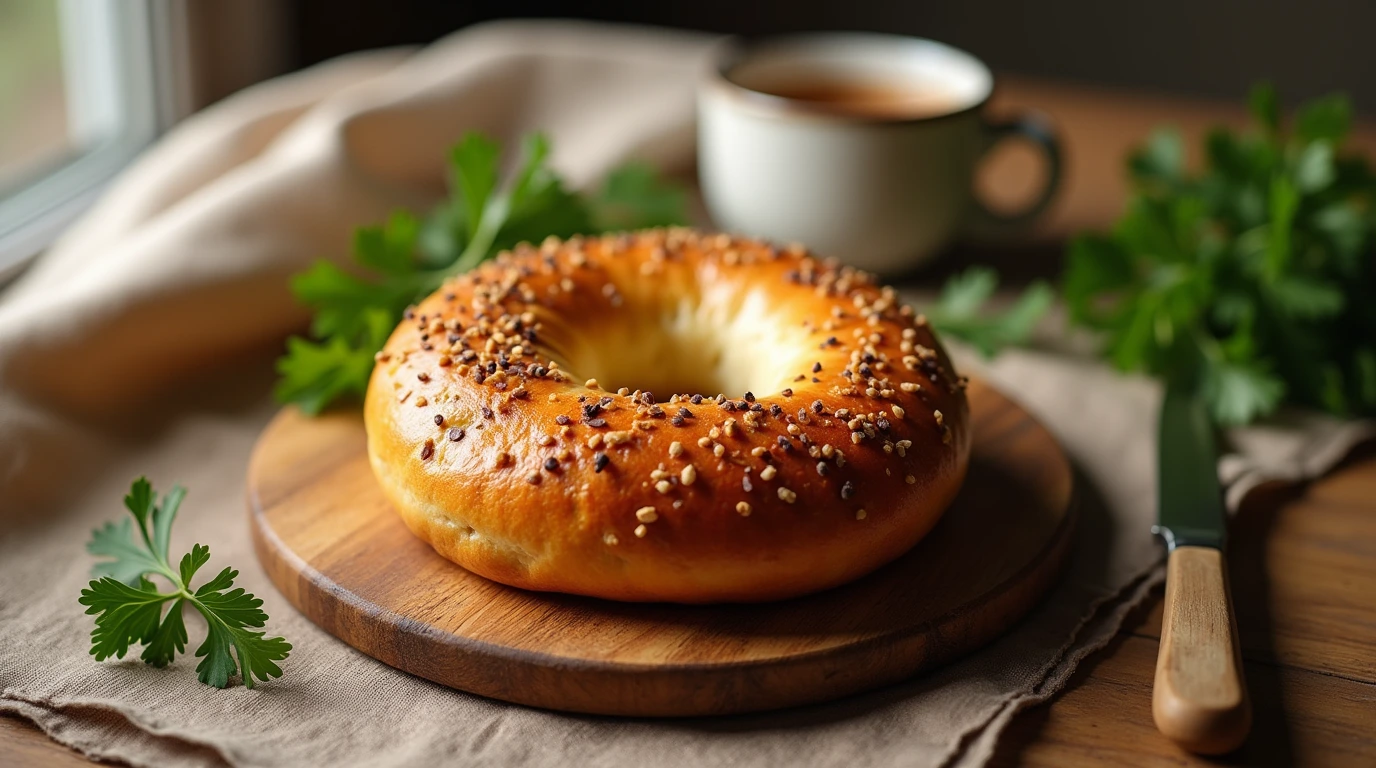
{"x":334,"y":547}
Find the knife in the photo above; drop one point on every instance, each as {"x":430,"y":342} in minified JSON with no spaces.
{"x":1199,"y":698}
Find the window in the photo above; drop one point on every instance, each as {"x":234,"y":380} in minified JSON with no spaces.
{"x":84,"y":85}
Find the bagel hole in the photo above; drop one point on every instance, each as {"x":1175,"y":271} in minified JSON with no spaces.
{"x":729,"y":341}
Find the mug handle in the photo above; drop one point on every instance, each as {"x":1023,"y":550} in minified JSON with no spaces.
{"x":1036,"y":127}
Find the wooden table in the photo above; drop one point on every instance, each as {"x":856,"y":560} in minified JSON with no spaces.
{"x":1303,"y":560}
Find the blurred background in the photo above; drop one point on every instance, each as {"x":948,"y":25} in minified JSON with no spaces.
{"x":1197,"y":47}
{"x":84,"y":84}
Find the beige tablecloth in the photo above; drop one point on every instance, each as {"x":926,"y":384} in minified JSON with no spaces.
{"x":142,"y":343}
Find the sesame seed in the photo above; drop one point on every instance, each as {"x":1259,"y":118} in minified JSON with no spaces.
{"x":787,"y":496}
{"x":533,"y":478}
{"x":595,"y":441}
{"x":746,"y":485}
{"x":427,"y":450}
{"x":439,"y":420}
{"x":940,"y":419}
{"x":898,"y":411}
{"x":768,"y":472}
{"x":794,"y":429}
{"x":610,"y":540}
{"x":704,"y":442}
{"x":590,"y":384}
{"x":757,"y":451}
{"x":788,"y":392}
{"x":640,"y":531}
{"x":664,"y":486}
{"x":743,"y":508}
{"x":909,"y":479}
{"x":719,"y":450}
{"x":421,"y":402}
{"x":688,"y":475}
{"x":455,"y":434}
{"x":600,"y":462}
{"x":685,"y":413}
{"x":675,"y":449}
{"x":859,"y":514}
{"x":562,"y":420}
{"x":646,"y":514}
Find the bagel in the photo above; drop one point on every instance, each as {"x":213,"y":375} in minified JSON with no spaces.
{"x":666,"y":416}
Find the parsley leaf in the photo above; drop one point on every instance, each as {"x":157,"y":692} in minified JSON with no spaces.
{"x":634,"y":196}
{"x":406,"y":258}
{"x":129,"y":608}
{"x":959,"y":311}
{"x":1253,"y":278}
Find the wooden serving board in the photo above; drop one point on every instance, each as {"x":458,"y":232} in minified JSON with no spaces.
{"x":338,"y":552}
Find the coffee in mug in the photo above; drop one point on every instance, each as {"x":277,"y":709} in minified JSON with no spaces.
{"x":861,"y":146}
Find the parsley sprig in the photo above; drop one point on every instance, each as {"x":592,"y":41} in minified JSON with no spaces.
{"x":129,"y":607}
{"x":406,"y":258}
{"x":961,"y":311}
{"x":1251,"y":279}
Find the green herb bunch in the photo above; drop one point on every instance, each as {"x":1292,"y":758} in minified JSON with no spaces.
{"x":1252,"y":279}
{"x":128,"y":606}
{"x":407,"y":258}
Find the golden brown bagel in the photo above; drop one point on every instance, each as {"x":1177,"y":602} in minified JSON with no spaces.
{"x":511,"y":422}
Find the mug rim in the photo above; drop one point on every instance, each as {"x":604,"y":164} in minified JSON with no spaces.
{"x":737,"y":48}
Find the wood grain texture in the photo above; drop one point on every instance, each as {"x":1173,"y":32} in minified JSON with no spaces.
{"x":1103,"y":718}
{"x":336,"y":550}
{"x":1199,"y":700}
{"x":22,"y":745}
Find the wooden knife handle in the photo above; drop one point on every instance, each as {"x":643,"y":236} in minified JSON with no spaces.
{"x":1200,"y":699}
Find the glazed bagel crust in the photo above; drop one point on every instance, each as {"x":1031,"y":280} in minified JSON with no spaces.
{"x":486,"y":436}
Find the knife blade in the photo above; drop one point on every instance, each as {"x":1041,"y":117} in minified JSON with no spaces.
{"x":1190,"y":506}
{"x":1199,"y":699}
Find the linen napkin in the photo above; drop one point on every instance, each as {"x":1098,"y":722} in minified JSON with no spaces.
{"x":141,"y":344}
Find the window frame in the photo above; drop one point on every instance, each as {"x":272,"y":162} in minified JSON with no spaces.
{"x":124,"y":67}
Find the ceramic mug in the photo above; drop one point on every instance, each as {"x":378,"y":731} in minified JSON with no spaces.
{"x":879,"y":175}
